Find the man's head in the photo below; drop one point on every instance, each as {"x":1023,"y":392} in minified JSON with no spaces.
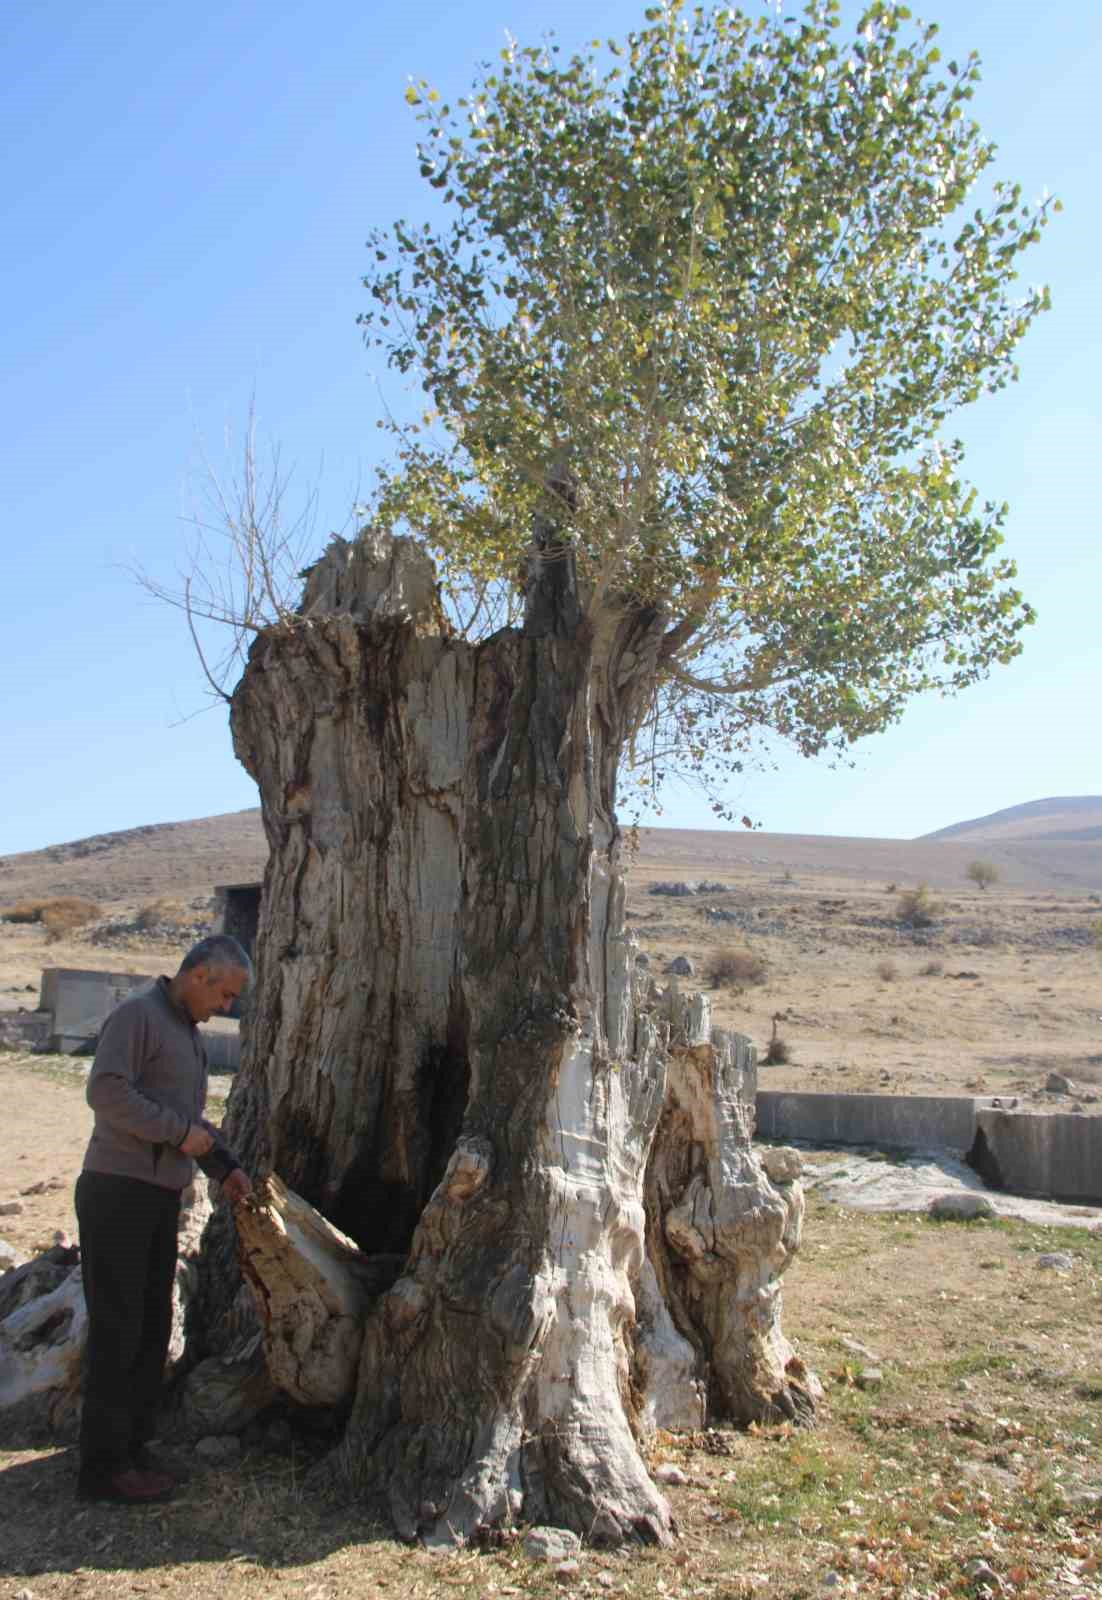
{"x":211,"y":977}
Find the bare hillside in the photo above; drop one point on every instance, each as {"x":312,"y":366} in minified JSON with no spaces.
{"x":1060,"y":819}
{"x":185,"y":859}
{"x":177,"y":858}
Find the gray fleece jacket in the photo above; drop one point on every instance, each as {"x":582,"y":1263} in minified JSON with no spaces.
{"x":147,"y":1084}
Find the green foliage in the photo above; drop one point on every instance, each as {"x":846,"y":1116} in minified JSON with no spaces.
{"x":982,"y":873}
{"x":700,"y":314}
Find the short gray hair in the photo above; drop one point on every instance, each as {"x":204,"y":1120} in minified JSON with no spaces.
{"x":218,"y":950}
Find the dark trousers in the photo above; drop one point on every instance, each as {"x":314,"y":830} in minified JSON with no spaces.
{"x":128,"y":1262}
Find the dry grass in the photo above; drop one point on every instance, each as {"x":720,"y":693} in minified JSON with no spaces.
{"x":986,"y":1423}
{"x":887,"y":971}
{"x":735,"y":966}
{"x":162,"y":913}
{"x":59,"y":916}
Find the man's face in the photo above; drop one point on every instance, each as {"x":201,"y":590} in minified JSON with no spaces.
{"x":211,"y":989}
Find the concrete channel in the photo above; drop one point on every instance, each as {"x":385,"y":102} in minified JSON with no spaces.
{"x":1050,"y":1155}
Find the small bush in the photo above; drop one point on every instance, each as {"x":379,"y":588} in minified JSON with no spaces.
{"x":161,"y":914}
{"x":58,"y":916}
{"x":887,"y":971}
{"x":25,"y":911}
{"x":735,"y":967}
{"x":916,"y":907}
{"x":932,"y":969}
{"x":66,"y":915}
{"x":777,"y":1051}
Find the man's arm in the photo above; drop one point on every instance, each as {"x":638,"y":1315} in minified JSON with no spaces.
{"x":112,"y":1090}
{"x":221,"y":1164}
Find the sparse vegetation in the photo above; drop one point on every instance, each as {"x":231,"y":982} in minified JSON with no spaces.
{"x":58,"y":916}
{"x":887,"y":971}
{"x":26,"y":911}
{"x":163,"y":913}
{"x":777,"y":1051}
{"x":982,"y":873}
{"x":735,"y":966}
{"x":932,"y":969}
{"x":903,"y":1486}
{"x":917,"y":908}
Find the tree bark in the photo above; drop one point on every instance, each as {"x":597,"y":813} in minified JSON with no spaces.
{"x":453,"y":1059}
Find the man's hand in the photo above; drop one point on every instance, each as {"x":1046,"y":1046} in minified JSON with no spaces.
{"x":197,"y":1141}
{"x":236,"y":1185}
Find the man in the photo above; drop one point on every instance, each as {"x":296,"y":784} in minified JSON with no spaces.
{"x":148,"y":1088}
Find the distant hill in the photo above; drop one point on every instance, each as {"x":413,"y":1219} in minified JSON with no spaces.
{"x":180,"y":859}
{"x":183,"y":860}
{"x":1070,"y":818}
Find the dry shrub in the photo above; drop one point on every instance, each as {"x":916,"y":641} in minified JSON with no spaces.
{"x":917,"y":907}
{"x":25,"y":911}
{"x":887,"y":971}
{"x":58,"y":916}
{"x":161,"y":914}
{"x":66,"y":914}
{"x":932,"y":969}
{"x":735,"y":966}
{"x":777,"y":1051}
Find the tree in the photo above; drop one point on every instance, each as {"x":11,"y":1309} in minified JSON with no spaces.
{"x":702,"y":316}
{"x":686,"y":348}
{"x":982,"y":873}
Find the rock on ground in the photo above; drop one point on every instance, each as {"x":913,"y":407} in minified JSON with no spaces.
{"x":782,"y":1164}
{"x":219,"y":1448}
{"x":550,"y":1544}
{"x":961,"y":1207}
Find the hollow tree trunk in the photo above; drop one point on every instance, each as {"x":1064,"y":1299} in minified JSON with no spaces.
{"x":453,"y":1060}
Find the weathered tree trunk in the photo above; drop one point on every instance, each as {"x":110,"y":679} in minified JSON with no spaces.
{"x":453,"y":1060}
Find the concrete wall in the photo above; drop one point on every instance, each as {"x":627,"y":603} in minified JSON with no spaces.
{"x":1056,"y":1154}
{"x":1051,"y":1154}
{"x":222,"y":1039}
{"x":80,"y":1002}
{"x":912,"y":1121}
{"x":25,"y":1030}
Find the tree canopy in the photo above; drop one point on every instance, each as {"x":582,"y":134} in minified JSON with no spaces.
{"x":702,"y":301}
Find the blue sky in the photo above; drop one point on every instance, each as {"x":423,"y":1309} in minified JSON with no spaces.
{"x":187,"y":192}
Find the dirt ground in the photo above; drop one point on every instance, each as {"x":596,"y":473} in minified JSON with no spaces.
{"x":957,"y":1453}
{"x":960,"y":1440}
{"x":1003,"y":988}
